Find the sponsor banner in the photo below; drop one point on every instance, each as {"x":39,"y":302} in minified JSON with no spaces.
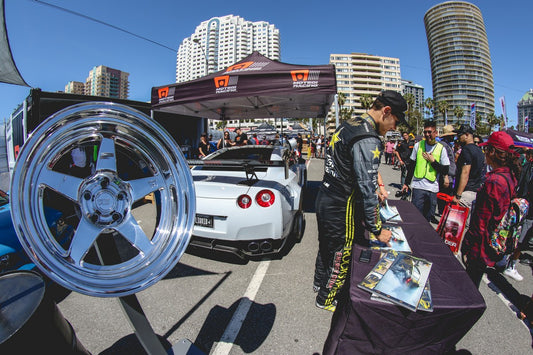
{"x":246,"y":66}
{"x":166,"y":94}
{"x":225,"y":84}
{"x":305,"y":78}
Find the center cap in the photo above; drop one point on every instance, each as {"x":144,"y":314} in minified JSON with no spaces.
{"x":105,"y":201}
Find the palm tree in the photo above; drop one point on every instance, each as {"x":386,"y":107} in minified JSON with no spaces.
{"x":458,"y":112}
{"x":366,"y":101}
{"x":221,"y":124}
{"x":430,"y":106}
{"x":442,"y":107}
{"x":412,"y":117}
{"x":492,"y":120}
{"x":344,"y":112}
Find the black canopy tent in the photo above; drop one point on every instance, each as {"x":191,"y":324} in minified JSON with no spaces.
{"x":255,"y":87}
{"x":521,"y":139}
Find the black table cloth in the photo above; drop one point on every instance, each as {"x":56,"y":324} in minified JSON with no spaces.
{"x":364,"y":326}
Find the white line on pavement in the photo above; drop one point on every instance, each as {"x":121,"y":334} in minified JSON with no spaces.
{"x":225,"y":344}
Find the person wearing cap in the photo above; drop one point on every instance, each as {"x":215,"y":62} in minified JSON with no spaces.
{"x":428,"y":160}
{"x":471,"y":167}
{"x":347,"y":201}
{"x":446,"y":182}
{"x":492,"y":202}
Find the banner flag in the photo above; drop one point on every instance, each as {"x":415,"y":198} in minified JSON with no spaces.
{"x":473,"y":116}
{"x":504,"y":111}
{"x":526,"y":124}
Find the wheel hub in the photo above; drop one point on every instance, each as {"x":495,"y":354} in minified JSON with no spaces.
{"x":105,"y":200}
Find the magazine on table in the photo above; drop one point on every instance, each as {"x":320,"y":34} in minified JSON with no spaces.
{"x":397,"y":242}
{"x":425,"y":303}
{"x":389,"y":213}
{"x":399,"y":278}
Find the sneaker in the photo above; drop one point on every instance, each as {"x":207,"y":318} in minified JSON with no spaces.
{"x":513,"y":273}
{"x":316,"y":288}
{"x":331,"y":307}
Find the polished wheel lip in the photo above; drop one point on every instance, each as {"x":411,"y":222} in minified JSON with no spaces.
{"x":110,"y":124}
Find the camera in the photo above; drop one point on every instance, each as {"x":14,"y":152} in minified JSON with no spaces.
{"x":402,"y":194}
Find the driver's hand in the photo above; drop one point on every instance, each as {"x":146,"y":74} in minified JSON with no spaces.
{"x":384,"y":236}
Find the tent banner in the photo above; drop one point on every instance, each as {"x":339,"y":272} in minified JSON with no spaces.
{"x":8,"y":70}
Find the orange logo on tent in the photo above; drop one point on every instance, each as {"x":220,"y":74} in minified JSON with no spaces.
{"x":221,"y":81}
{"x":299,"y":75}
{"x":239,"y":66}
{"x":162,"y":93}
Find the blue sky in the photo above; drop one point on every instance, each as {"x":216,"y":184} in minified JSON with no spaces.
{"x":51,"y":47}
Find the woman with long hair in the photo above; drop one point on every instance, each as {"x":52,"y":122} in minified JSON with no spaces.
{"x":491,"y":204}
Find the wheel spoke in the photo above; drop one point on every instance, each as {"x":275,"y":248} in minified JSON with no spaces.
{"x":84,"y":237}
{"x":132,"y":231}
{"x":66,"y":185}
{"x":144,"y":186}
{"x":107,"y":159}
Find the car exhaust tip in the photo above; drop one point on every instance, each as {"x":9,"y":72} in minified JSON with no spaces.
{"x":253,"y":247}
{"x":266,"y":246}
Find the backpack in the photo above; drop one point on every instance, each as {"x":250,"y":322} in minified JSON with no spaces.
{"x":504,"y":239}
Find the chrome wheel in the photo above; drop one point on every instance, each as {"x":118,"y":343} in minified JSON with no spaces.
{"x":80,"y":184}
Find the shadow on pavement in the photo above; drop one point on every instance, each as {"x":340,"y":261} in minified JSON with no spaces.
{"x":182,"y":270}
{"x":253,"y":332}
{"x":130,"y":345}
{"x":499,"y":284}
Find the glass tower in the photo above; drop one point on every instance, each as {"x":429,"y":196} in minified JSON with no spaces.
{"x":461,"y":68}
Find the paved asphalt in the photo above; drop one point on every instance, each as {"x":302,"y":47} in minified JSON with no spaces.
{"x":202,"y":295}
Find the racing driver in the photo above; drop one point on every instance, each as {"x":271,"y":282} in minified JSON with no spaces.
{"x":347,"y":202}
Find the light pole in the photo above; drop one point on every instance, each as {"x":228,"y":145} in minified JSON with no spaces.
{"x":197,"y":41}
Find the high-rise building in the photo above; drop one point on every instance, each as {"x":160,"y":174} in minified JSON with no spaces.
{"x":461,"y":68}
{"x":525,"y":109}
{"x":360,"y":73}
{"x":221,"y":41}
{"x":108,"y":82}
{"x":408,"y":87}
{"x":75,"y":87}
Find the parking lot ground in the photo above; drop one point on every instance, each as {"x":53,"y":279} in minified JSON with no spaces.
{"x":200,"y":297}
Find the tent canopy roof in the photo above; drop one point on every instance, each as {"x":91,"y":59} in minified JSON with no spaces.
{"x":255,"y":87}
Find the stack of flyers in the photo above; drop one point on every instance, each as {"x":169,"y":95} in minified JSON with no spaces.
{"x":425,"y":303}
{"x":402,"y":279}
{"x":389,"y":213}
{"x":397,"y":242}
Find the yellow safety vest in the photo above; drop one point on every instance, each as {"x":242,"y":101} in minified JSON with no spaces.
{"x":423,"y":168}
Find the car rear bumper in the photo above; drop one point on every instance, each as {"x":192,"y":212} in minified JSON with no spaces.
{"x":242,"y":249}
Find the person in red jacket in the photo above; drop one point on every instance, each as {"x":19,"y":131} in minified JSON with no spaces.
{"x":492,"y":202}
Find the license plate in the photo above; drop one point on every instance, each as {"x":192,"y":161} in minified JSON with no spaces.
{"x":203,"y":220}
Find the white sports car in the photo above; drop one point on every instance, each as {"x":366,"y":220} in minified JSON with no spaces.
{"x":248,"y":200}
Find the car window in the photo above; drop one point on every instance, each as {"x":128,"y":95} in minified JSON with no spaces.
{"x":259,"y":154}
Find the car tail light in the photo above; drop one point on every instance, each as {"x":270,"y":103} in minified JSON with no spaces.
{"x":265,"y":198}
{"x":244,"y":201}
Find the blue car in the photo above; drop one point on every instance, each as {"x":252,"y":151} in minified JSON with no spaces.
{"x":12,"y":255}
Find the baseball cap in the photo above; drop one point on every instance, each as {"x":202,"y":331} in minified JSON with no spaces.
{"x":501,"y":141}
{"x":463,"y":129}
{"x":397,"y":103}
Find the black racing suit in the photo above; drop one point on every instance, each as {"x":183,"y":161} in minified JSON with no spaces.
{"x":346,"y":203}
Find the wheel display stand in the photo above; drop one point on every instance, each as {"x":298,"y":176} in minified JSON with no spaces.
{"x":133,"y":159}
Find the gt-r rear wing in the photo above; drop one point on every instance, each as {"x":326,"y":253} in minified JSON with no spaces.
{"x":248,"y":166}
